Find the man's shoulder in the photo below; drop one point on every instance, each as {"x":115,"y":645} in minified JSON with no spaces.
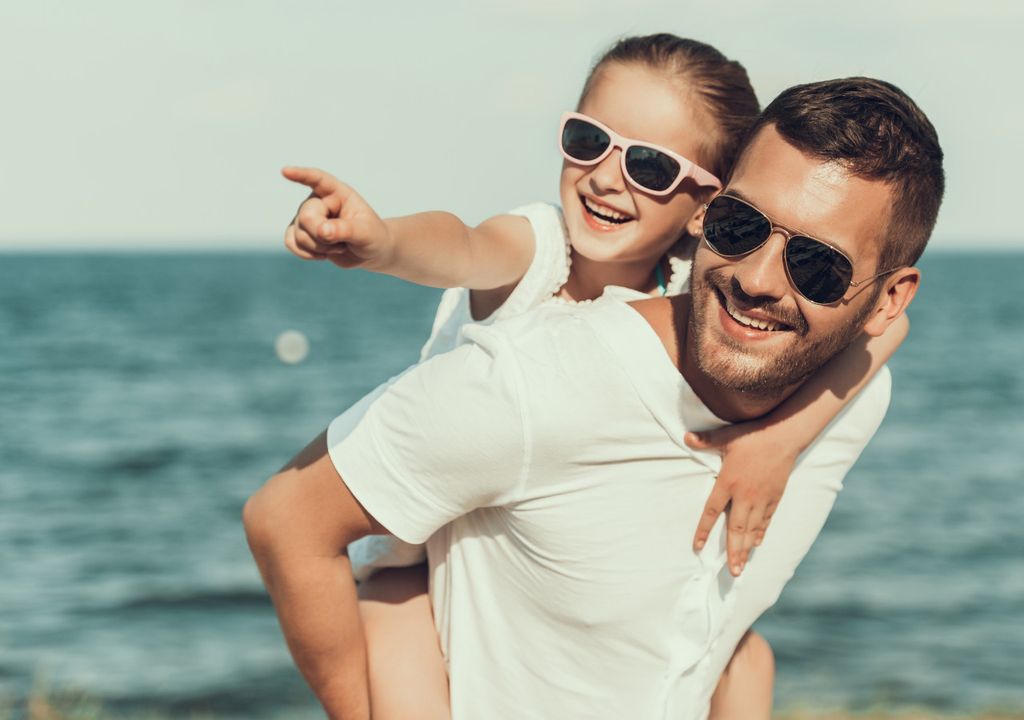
{"x":549,"y":330}
{"x":560,"y":355}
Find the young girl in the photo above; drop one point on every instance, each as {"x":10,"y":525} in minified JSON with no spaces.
{"x":658,"y":125}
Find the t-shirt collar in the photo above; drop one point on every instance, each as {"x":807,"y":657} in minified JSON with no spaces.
{"x":658,"y":382}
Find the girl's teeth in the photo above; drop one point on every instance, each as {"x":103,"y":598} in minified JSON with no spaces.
{"x":742,"y":319}
{"x":605,"y":212}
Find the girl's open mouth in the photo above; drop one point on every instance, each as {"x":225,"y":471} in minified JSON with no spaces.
{"x":604,"y":214}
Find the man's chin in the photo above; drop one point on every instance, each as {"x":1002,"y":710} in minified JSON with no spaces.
{"x":765,"y":367}
{"x":736,"y":368}
{"x":740,"y":358}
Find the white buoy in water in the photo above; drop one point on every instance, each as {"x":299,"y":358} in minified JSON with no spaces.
{"x":291,"y":347}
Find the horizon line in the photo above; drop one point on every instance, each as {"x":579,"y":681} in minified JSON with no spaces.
{"x":250,"y":244}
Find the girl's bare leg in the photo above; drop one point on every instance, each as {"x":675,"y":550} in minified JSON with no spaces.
{"x":407,"y":672}
{"x":744,"y":691}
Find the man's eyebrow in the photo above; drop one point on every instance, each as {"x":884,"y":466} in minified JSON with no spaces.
{"x":737,"y":194}
{"x":794,"y":231}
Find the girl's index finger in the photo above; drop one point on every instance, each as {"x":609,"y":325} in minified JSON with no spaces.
{"x":325,"y":186}
{"x":317,"y":180}
{"x":304,"y":175}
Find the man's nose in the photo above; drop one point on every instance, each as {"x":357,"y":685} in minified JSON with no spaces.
{"x":762,"y":273}
{"x":606,"y":176}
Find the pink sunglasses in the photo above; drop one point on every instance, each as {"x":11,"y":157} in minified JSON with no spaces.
{"x":651,"y":168}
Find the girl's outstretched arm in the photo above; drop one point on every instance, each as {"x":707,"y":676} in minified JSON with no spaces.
{"x":432,"y":248}
{"x":759,"y":455}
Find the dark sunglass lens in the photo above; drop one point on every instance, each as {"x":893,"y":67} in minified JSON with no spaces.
{"x":584,"y":141}
{"x":733,"y":228}
{"x":820,"y":273}
{"x":651,"y":168}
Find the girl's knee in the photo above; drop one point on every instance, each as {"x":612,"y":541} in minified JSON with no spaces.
{"x":394,"y":585}
{"x":393,"y":600}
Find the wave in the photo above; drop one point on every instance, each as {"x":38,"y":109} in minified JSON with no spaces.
{"x":226,"y":599}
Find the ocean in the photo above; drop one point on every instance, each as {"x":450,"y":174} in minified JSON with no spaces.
{"x":142,"y":401}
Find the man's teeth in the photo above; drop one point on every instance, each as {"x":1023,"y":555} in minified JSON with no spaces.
{"x":605,"y":213}
{"x":742,"y":319}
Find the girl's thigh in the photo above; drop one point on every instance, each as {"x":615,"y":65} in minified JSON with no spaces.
{"x":745,"y":687}
{"x":407,"y":672}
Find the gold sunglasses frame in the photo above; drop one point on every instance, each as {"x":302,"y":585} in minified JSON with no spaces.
{"x":789,"y":235}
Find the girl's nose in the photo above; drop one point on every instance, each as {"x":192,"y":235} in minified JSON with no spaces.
{"x":606,"y":176}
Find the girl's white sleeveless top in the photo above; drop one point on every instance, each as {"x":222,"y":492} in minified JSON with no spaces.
{"x":547,"y":273}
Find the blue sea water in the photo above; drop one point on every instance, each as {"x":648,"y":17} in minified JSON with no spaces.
{"x":141,"y":401}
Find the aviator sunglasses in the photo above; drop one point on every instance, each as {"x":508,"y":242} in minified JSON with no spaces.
{"x":651,"y":168}
{"x":820,"y":272}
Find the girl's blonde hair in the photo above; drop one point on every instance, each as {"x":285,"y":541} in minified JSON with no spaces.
{"x":722,"y":84}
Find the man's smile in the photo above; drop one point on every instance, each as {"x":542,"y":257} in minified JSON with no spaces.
{"x":747,"y":324}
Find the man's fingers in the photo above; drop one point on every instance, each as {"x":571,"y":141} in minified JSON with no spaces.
{"x":324,"y":185}
{"x":716,"y":503}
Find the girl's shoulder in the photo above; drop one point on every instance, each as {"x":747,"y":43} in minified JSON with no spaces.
{"x":541,"y":214}
{"x":548,"y":271}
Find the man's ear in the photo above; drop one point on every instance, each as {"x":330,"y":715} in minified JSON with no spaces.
{"x":899,"y":290}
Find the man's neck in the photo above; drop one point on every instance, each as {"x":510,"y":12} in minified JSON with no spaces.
{"x":671,"y":320}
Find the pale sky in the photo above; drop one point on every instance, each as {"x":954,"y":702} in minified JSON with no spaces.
{"x":155,"y":125}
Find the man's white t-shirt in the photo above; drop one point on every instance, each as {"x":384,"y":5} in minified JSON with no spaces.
{"x":544,"y":463}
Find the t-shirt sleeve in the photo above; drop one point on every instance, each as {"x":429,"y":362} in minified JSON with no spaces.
{"x":801,"y":514}
{"x":445,"y":438}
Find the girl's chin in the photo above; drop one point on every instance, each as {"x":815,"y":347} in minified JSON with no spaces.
{"x":606,"y":250}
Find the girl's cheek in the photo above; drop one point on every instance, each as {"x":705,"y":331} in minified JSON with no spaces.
{"x":569,"y":183}
{"x":571,"y":174}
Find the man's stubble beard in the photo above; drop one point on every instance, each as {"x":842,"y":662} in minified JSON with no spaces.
{"x":763,"y":375}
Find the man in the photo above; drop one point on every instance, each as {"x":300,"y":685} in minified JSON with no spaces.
{"x":544,"y":462}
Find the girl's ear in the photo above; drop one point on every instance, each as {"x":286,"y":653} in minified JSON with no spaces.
{"x":695,"y":225}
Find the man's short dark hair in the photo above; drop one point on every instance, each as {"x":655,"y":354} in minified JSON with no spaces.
{"x":875,"y":131}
